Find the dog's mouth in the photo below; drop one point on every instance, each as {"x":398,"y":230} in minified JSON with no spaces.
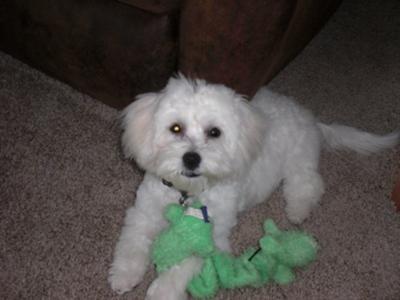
{"x":190,"y":174}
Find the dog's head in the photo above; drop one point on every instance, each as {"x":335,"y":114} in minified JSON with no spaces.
{"x":192,"y":132}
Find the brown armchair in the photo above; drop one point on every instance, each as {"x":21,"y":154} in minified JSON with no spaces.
{"x":114,"y":50}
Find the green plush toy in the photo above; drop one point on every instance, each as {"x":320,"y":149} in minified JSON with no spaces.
{"x":190,"y":233}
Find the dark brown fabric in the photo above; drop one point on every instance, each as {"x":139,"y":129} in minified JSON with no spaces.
{"x":243,"y":44}
{"x":114,"y":51}
{"x":307,"y":19}
{"x":155,"y":6}
{"x":107,"y":49}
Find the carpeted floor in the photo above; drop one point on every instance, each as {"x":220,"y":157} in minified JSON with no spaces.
{"x":64,"y":186}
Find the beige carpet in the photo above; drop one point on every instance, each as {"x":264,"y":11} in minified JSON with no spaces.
{"x":64,"y":186}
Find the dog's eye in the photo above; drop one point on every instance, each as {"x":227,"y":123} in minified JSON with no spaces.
{"x":176,"y":128}
{"x":214,"y":132}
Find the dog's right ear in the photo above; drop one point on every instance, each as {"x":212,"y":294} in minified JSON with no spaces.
{"x":138,"y":126}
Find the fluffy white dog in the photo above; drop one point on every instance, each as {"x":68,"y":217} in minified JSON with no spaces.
{"x":196,"y":139}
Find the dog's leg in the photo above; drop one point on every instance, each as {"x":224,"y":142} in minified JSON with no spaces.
{"x":142,"y":223}
{"x":222,"y":231}
{"x":222,"y":202}
{"x":303,"y":185}
{"x":171,"y":285}
{"x":302,"y":191}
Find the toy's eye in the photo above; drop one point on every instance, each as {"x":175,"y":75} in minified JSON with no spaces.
{"x":176,"y":128}
{"x":214,"y":132}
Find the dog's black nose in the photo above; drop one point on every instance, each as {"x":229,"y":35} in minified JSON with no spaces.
{"x":191,"y":160}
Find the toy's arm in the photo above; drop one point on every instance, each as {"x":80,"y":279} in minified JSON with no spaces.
{"x":173,"y":212}
{"x":270,"y":227}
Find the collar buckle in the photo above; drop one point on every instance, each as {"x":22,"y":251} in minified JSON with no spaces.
{"x":184,"y":194}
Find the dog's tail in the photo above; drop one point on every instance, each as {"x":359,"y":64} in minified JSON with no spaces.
{"x":345,"y":137}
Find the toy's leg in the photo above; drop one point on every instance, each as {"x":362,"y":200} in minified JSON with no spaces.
{"x":235,"y":272}
{"x":303,"y":185}
{"x":171,"y":284}
{"x":205,"y":284}
{"x":131,"y":256}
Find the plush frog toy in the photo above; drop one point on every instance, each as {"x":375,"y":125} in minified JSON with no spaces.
{"x":190,"y":233}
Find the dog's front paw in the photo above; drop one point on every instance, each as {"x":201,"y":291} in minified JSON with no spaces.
{"x":121,"y":282}
{"x":160,"y":289}
{"x":298,"y":212}
{"x":123,"y":278}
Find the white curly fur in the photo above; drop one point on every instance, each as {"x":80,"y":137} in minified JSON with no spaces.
{"x":262,"y":143}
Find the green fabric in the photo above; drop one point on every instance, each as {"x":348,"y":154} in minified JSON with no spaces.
{"x":280,"y":252}
{"x":186,"y":236}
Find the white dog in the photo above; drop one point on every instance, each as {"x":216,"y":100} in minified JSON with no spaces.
{"x":204,"y":140}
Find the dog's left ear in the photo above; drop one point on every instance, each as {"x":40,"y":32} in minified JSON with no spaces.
{"x":137,"y":123}
{"x":251,"y":130}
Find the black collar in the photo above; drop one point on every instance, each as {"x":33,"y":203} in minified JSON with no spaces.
{"x":184,"y":194}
